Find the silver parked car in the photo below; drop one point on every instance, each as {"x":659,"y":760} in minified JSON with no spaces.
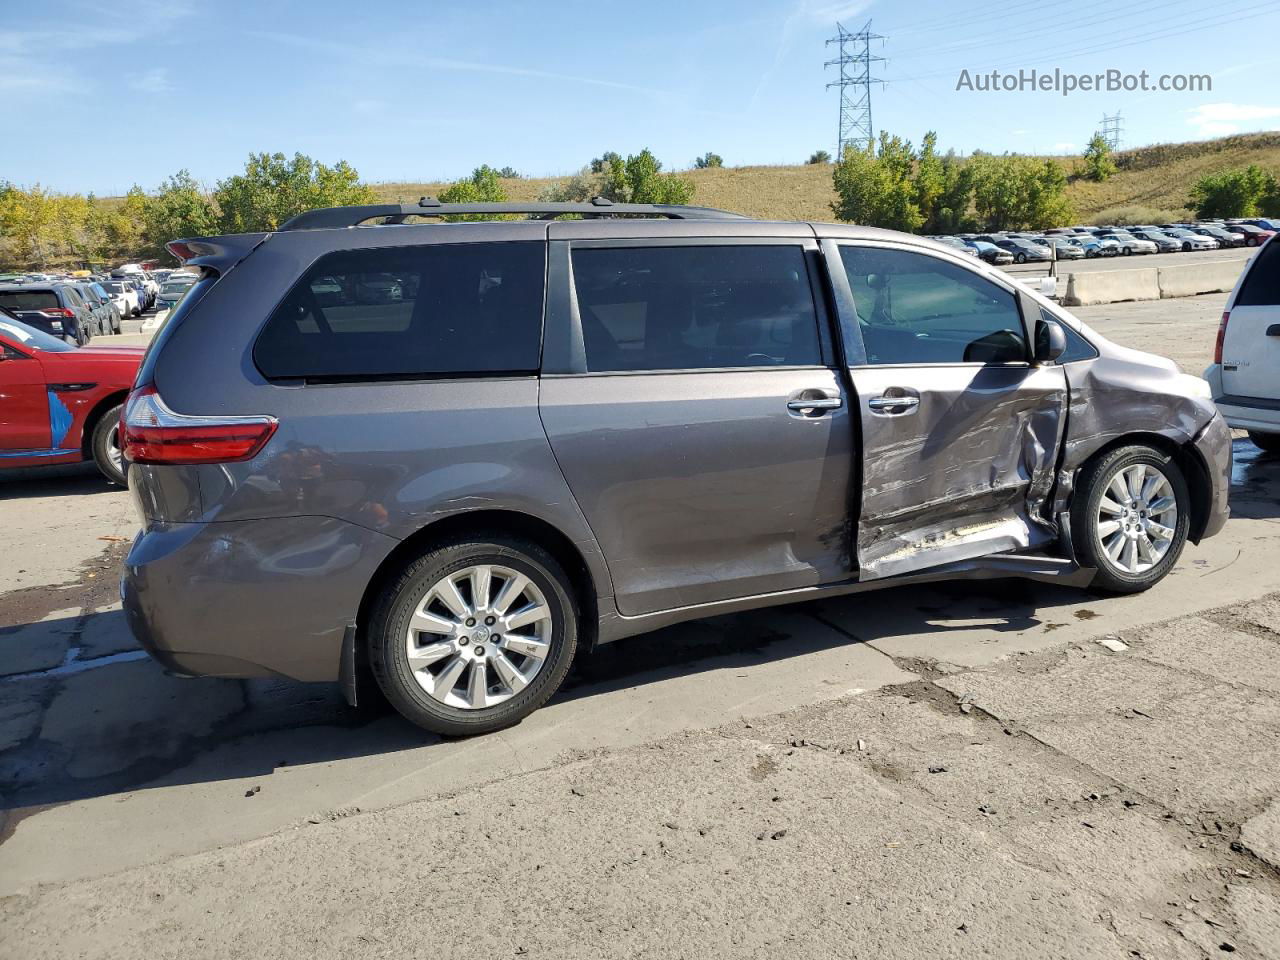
{"x":452,"y":455}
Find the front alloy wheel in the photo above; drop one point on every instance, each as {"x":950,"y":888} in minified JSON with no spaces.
{"x":1136,"y":518}
{"x":1130,"y":518}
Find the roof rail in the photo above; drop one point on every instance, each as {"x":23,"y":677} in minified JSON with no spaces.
{"x":394,"y":213}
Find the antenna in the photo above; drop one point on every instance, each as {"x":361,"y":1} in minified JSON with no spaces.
{"x":855,"y":81}
{"x":1111,"y":129}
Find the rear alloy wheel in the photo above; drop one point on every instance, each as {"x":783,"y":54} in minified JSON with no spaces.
{"x":1130,"y":518}
{"x":107,"y":452}
{"x":1270,"y":442}
{"x":474,"y":636}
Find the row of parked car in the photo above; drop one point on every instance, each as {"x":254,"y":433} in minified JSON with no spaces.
{"x":78,"y":308}
{"x":1079,"y":243}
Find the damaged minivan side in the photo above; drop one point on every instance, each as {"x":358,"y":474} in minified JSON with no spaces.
{"x":452,"y":454}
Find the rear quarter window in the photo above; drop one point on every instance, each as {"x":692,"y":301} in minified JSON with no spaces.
{"x":442,"y":310}
{"x":1261,"y":287}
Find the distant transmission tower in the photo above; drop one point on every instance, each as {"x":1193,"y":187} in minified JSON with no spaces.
{"x":1111,"y":130}
{"x":855,"y":86}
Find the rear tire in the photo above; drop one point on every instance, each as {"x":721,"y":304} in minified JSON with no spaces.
{"x":106,"y":447}
{"x":1131,"y":537}
{"x":519,"y":665}
{"x":1269,"y":442}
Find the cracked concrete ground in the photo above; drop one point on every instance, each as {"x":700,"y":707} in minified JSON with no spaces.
{"x":1003,"y":769}
{"x":1072,"y":802}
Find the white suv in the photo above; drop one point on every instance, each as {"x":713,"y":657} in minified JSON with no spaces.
{"x":1245,"y":375}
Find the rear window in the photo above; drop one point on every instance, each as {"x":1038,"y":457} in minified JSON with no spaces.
{"x":28,"y":299}
{"x":1261,"y":287}
{"x":445,"y":310}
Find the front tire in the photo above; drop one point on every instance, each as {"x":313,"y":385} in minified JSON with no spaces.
{"x":1269,"y":442}
{"x":1130,"y":518}
{"x":474,"y":636}
{"x":105,"y":445}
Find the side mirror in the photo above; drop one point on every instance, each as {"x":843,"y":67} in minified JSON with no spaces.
{"x":1051,"y":342}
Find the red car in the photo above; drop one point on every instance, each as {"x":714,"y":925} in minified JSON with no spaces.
{"x":60,"y":403}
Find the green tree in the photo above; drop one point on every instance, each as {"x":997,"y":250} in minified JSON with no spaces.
{"x":509,"y":173}
{"x":27,"y":226}
{"x":579,"y":188}
{"x":274,"y":188}
{"x":1269,"y":202}
{"x":177,"y":209}
{"x":1234,"y":193}
{"x":874,"y":187}
{"x":481,"y":187}
{"x":1098,"y":164}
{"x":951,"y":212}
{"x":1014,"y":192}
{"x":607,"y":159}
{"x":708,"y":160}
{"x":639,"y":179}
{"x":819,"y":156}
{"x":929,"y":181}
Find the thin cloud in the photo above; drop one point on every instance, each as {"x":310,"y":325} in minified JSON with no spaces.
{"x":806,"y":13}
{"x":155,"y":80}
{"x":383,"y":57}
{"x":1220,"y":119}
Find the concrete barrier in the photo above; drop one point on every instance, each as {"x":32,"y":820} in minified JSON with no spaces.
{"x":1111,"y":286}
{"x":1190,"y":279}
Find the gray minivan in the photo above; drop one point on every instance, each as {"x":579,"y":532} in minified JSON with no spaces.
{"x":454,"y":453}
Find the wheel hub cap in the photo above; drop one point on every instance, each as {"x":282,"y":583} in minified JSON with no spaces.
{"x":479,"y":636}
{"x":1137,"y":518}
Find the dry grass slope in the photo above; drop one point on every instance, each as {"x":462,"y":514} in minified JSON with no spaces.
{"x":1157,"y":177}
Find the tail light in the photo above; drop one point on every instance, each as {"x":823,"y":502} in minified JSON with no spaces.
{"x":1222,"y":335}
{"x":152,"y":433}
{"x":57,"y":312}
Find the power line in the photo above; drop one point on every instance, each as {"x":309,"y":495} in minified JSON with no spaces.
{"x":963,"y":48}
{"x":854,"y":83}
{"x":1134,"y":39}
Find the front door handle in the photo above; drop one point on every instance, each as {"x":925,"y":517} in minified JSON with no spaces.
{"x":889,"y":404}
{"x":814,"y":404}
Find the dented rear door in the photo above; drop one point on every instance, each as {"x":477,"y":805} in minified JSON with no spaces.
{"x":960,"y":430}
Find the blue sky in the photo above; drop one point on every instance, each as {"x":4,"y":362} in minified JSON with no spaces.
{"x":102,"y":94}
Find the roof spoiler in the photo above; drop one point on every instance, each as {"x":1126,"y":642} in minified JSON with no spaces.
{"x":395,"y":213}
{"x":218,"y":254}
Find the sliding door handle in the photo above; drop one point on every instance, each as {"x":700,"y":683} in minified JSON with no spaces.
{"x":888,"y":404}
{"x":802,"y":405}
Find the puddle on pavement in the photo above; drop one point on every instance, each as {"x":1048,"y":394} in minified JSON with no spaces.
{"x":1255,"y":481}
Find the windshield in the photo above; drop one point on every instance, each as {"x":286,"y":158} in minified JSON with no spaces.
{"x":19,"y":332}
{"x":172,"y":291}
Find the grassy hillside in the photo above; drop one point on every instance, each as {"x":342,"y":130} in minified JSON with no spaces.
{"x":1157,"y":177}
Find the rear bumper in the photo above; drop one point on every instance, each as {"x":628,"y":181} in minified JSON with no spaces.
{"x":1213,"y":443}
{"x":249,"y":598}
{"x":1243,"y":413}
